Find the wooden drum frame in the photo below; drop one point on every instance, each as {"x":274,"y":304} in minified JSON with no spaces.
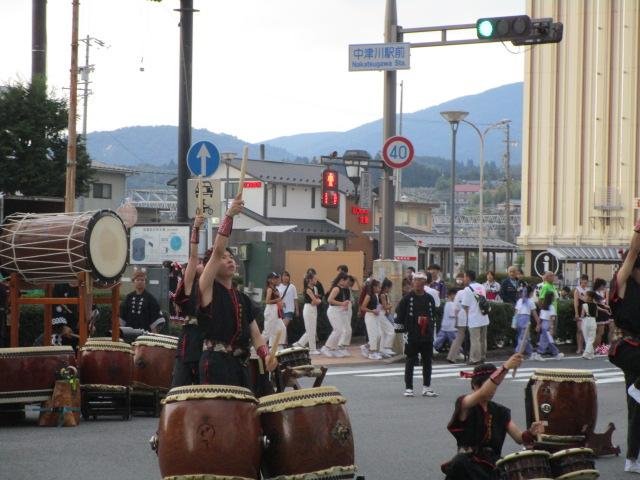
{"x":308,"y":434}
{"x":57,"y":247}
{"x":106,"y":363}
{"x":154,"y":356}
{"x":209,"y":431}
{"x":525,"y":465}
{"x":565,"y":398}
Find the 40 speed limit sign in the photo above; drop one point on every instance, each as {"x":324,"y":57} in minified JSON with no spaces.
{"x":397,"y":152}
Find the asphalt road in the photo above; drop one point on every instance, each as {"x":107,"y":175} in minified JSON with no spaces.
{"x":396,"y":437}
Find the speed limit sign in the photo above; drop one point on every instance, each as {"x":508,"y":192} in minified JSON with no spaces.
{"x":397,"y":152}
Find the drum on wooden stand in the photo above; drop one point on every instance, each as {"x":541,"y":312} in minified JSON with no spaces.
{"x":567,"y":400}
{"x":56,"y":247}
{"x":106,"y":363}
{"x":293,"y":357}
{"x":153,"y":359}
{"x":308,"y":433}
{"x":209,"y":431}
{"x":29,"y":373}
{"x":525,"y":465}
{"x":574,"y":464}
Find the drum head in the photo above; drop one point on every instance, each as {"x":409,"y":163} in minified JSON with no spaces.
{"x":580,"y":475}
{"x":524,"y":453}
{"x":108,"y":246}
{"x":572,"y":451}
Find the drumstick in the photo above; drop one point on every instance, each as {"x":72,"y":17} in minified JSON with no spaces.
{"x":274,"y":346}
{"x":243,"y":169}
{"x":200,"y":207}
{"x":523,"y":344}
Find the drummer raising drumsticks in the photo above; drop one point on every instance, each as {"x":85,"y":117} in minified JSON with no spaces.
{"x":226,"y":315}
{"x":481,"y":425}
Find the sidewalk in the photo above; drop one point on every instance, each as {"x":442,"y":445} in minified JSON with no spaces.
{"x":356,"y":358}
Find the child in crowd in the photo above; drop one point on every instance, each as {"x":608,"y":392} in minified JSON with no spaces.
{"x":448,"y":328}
{"x":525,"y":308}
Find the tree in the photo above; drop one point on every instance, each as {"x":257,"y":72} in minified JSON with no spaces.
{"x":33,"y":143}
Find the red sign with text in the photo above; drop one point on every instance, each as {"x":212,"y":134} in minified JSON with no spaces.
{"x":252,"y":184}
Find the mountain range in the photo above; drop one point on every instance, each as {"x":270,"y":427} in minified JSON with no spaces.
{"x":428,"y":131}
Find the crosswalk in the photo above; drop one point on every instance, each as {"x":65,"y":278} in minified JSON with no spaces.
{"x":607,"y":373}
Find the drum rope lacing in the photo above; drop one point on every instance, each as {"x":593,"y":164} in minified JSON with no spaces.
{"x":43,"y":235}
{"x":199,"y":392}
{"x":35,"y":351}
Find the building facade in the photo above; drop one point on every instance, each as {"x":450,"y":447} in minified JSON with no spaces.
{"x":581,"y":141}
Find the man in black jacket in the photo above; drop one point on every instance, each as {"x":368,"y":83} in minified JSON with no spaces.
{"x":415,"y":316}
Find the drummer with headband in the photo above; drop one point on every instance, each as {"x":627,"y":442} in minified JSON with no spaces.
{"x":225,"y":316}
{"x":480,"y":425}
{"x":185,"y":299}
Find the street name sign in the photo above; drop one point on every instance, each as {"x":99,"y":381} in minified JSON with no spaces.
{"x":379,"y":56}
{"x":397,"y":152}
{"x":203,"y":158}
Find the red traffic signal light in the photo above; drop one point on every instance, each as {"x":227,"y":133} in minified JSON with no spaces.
{"x":330,"y":196}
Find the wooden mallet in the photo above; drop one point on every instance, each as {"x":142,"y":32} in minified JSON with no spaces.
{"x":243,"y":169}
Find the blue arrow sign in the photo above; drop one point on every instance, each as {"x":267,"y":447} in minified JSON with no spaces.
{"x":203,"y":156}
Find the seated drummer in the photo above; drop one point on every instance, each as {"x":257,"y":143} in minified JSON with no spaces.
{"x":225,"y":316}
{"x":140,"y":309}
{"x":480,"y":425}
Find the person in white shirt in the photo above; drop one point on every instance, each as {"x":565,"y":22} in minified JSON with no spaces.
{"x":461,"y":321}
{"x":476,"y":321}
{"x":525,"y":307}
{"x":289,"y":296}
{"x":431,"y":291}
{"x":448,"y":328}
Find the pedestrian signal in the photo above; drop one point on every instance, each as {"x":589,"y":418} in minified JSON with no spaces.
{"x":330,"y":196}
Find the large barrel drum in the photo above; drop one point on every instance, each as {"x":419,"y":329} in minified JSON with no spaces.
{"x":308,"y":434}
{"x":56,"y":247}
{"x":29,"y":373}
{"x":209,"y":431}
{"x":566,"y":399}
{"x":106,"y":363}
{"x":153,"y":359}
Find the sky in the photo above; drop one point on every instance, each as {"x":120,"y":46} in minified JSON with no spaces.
{"x":261,"y":68}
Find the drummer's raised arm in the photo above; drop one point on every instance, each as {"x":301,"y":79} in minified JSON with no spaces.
{"x":192,"y":264}
{"x":219,"y":245}
{"x":629,"y":262}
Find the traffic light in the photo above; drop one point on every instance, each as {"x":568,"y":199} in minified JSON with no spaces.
{"x":504,"y":28}
{"x":330,"y":196}
{"x":519,"y":30}
{"x":543,"y":30}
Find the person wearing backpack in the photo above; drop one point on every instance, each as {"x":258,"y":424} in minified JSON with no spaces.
{"x":625,"y":353}
{"x":476,"y":307}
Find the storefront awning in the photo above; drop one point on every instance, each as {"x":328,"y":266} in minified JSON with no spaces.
{"x":586,"y":254}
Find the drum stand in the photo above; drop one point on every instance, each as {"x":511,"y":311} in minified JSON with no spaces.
{"x":84,"y":301}
{"x":284,"y":377}
{"x":105,"y":400}
{"x":601,"y":443}
{"x":147,"y":401}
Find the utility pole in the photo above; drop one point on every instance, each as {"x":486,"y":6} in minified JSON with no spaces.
{"x":184,"y":114}
{"x":387,"y":223}
{"x":398,"y":171}
{"x":70,"y":190}
{"x":38,"y":39}
{"x":84,"y":72}
{"x":507,"y":173}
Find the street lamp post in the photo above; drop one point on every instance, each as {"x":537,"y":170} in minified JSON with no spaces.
{"x":454,"y":118}
{"x":482,"y":136}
